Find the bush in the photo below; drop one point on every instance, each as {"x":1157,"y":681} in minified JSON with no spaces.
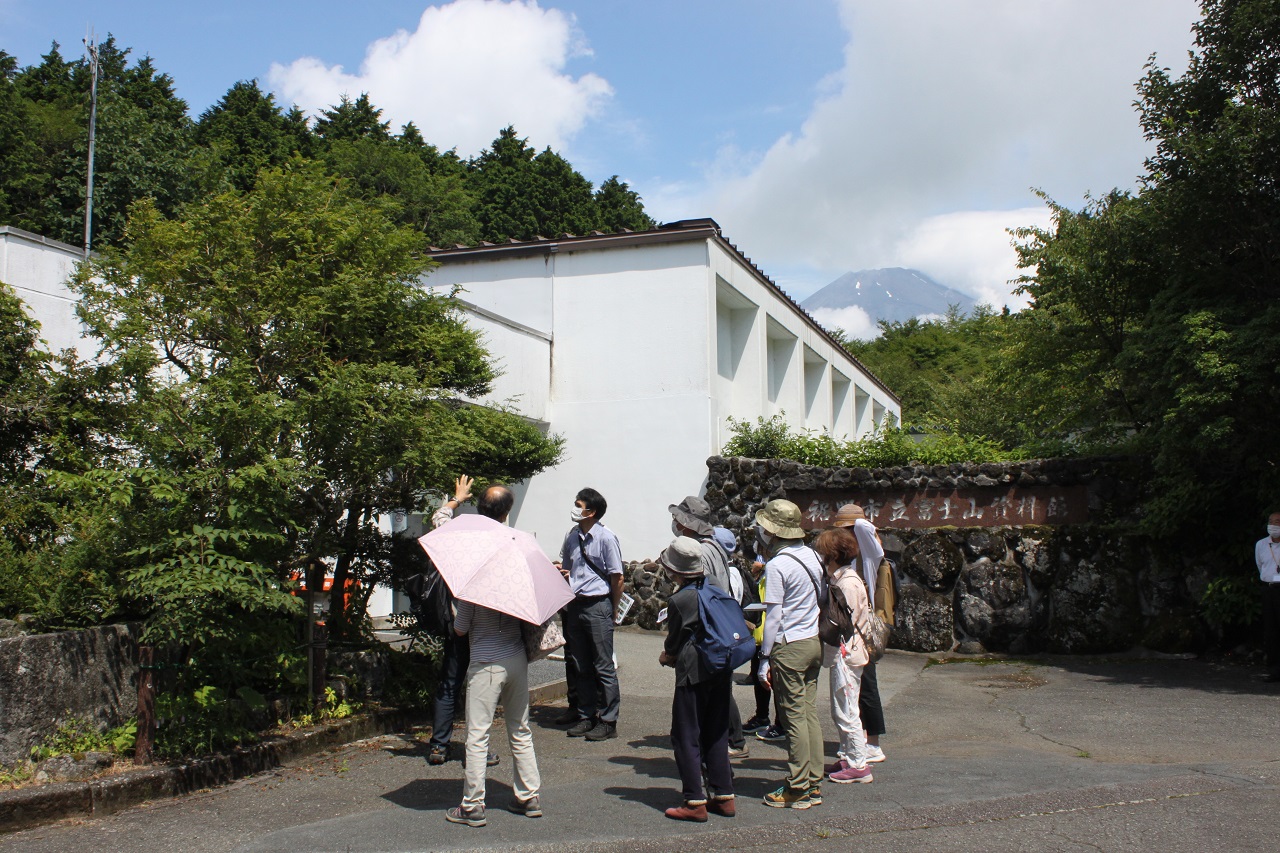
{"x":887,"y":446}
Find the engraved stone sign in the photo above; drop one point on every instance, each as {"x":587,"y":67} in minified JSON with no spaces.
{"x":969,"y":507}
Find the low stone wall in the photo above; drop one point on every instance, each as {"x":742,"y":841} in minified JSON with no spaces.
{"x":1072,"y":588}
{"x":47,"y":679}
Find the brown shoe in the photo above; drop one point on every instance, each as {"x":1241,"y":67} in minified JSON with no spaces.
{"x":696,"y":813}
{"x":723,"y":806}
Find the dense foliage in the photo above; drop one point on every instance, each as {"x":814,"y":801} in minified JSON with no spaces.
{"x":271,"y":381}
{"x":889,"y":445}
{"x":148,"y":147}
{"x":1154,"y":326}
{"x":1155,"y":313}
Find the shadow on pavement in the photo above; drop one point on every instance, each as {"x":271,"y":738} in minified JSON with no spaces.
{"x":431,"y":794}
{"x":1158,"y":674}
{"x":659,"y":799}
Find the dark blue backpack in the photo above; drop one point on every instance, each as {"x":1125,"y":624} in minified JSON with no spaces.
{"x":725,"y":642}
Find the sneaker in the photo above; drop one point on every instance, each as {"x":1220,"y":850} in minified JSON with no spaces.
{"x":602,"y":731}
{"x":874,"y":754}
{"x":438,"y":754}
{"x":568,"y":718}
{"x":581,"y":727}
{"x":772,"y":734}
{"x":735,"y":754}
{"x":815,"y":795}
{"x":470,"y":816}
{"x":723,"y":806}
{"x":840,"y":764}
{"x":786,"y":798}
{"x":528,"y":808}
{"x":756,"y":724}
{"x":696,"y":813}
{"x":491,"y":759}
{"x":852,"y":774}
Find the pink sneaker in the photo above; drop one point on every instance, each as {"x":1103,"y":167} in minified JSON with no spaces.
{"x":851,"y":774}
{"x":840,"y":764}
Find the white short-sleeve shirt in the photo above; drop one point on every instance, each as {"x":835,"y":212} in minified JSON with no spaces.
{"x":787,"y":582}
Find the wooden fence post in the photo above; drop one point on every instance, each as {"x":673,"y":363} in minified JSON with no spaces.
{"x":146,"y":738}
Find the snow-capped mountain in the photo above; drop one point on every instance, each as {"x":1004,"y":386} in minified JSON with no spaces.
{"x":895,"y":294}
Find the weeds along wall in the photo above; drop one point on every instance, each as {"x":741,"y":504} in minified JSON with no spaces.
{"x":1009,"y":557}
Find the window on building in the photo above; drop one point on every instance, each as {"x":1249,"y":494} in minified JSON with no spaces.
{"x":817,"y":405}
{"x":841,"y":385}
{"x":781,"y":352}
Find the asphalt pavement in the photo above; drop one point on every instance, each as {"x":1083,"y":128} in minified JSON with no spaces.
{"x":1056,"y":753}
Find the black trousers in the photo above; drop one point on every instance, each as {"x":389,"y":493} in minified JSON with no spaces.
{"x":453,"y":677}
{"x":1271,"y":626}
{"x":869,"y":707}
{"x":700,"y":735}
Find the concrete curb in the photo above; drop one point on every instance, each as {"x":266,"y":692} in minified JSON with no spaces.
{"x":27,"y":807}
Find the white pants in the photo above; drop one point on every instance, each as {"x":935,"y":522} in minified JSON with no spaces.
{"x":846,"y":681}
{"x":504,"y":682}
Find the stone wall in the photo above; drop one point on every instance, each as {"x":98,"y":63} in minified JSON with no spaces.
{"x":47,"y":679}
{"x":1081,"y":588}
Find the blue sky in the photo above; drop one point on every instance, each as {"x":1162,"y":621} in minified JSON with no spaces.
{"x":823,"y":135}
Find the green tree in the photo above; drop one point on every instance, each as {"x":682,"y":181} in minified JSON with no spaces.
{"x":142,"y":145}
{"x":429,"y":196}
{"x":620,"y":208}
{"x":1166,"y":297}
{"x":287,"y":381}
{"x":358,"y":119}
{"x":505,"y":183}
{"x":248,"y":132}
{"x":564,"y":198}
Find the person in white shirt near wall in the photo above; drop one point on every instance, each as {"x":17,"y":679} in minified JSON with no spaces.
{"x":591,"y":560}
{"x":1266,"y":554}
{"x":791,"y":651}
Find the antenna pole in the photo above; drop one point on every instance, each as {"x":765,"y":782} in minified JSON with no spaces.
{"x":91,"y":47}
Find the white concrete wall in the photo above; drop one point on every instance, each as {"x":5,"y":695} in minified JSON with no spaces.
{"x":38,"y":271}
{"x":653,"y":347}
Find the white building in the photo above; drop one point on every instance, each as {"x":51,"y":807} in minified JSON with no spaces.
{"x":638,"y":348}
{"x":38,"y":270}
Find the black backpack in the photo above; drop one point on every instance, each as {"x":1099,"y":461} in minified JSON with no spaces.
{"x":431,"y":602}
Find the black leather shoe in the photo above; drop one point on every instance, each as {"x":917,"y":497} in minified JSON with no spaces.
{"x":581,"y":728}
{"x":603,"y":731}
{"x":568,"y":718}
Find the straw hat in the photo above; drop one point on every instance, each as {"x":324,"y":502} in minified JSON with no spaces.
{"x":847,"y":515}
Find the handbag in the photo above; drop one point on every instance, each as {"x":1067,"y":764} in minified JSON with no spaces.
{"x":541,"y":640}
{"x":875,"y":637}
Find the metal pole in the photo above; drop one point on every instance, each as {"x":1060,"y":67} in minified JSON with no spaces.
{"x":92,"y":48}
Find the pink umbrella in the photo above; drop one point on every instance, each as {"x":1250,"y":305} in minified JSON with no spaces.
{"x":487,"y":563}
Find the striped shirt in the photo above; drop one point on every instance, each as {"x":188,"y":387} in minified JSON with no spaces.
{"x":494,"y":636}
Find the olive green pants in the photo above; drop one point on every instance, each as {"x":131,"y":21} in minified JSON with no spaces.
{"x":795,"y":668}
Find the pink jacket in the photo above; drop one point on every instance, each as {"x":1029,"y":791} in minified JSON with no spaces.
{"x":853,"y":651}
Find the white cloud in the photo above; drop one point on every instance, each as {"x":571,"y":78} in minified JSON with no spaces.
{"x":926,"y":146}
{"x":471,"y":68}
{"x":970,"y":251}
{"x":854,"y":321}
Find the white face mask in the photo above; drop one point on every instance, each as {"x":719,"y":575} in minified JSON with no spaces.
{"x":577,"y":514}
{"x":1273,"y":530}
{"x":764,"y":543}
